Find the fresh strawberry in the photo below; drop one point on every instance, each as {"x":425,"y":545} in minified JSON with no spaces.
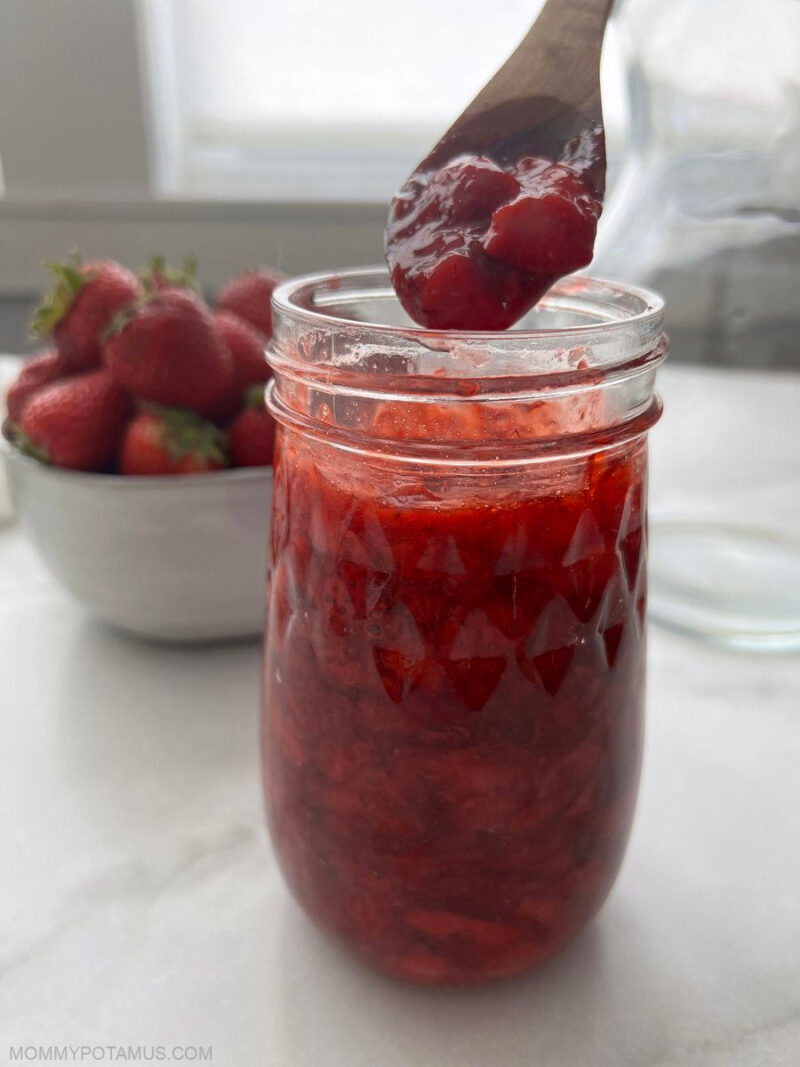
{"x":38,"y":371}
{"x":249,"y":296}
{"x":161,"y":276}
{"x":165,"y":349}
{"x":81,"y":304}
{"x":247,"y":348}
{"x":250,"y":365}
{"x":76,"y":423}
{"x":169,"y":441}
{"x":252,"y":434}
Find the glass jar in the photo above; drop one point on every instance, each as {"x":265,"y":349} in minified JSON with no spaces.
{"x":707,"y":208}
{"x":455,"y":652}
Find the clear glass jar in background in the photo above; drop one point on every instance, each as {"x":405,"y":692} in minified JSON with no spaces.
{"x":707,"y":210}
{"x":708,"y":202}
{"x":455,"y":650}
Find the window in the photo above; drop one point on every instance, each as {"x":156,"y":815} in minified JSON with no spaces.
{"x":316,"y":99}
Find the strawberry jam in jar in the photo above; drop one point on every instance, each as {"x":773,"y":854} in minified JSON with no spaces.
{"x":455,"y":653}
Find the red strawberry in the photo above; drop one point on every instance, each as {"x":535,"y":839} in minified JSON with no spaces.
{"x":38,"y":371}
{"x":80,"y":306}
{"x":166,"y":350}
{"x":250,"y":365}
{"x":161,"y":276}
{"x":170,"y":441}
{"x":252,"y":434}
{"x":249,"y":296}
{"x":77,"y":423}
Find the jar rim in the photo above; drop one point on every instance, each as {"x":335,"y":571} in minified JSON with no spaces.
{"x":334,"y":375}
{"x":306,"y":296}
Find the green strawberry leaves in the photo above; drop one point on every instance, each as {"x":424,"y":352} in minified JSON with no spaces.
{"x":183,"y":433}
{"x":254,"y":397}
{"x":161,"y":275}
{"x":69,"y":279}
{"x":25,"y":444}
{"x":119,"y":321}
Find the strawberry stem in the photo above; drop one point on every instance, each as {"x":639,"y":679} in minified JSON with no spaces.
{"x":159,"y":270}
{"x":69,"y":279}
{"x":25,"y":444}
{"x":254,"y":397}
{"x":120,"y":320}
{"x":185,"y":433}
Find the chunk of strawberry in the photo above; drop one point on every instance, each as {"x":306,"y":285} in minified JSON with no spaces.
{"x":543,"y":235}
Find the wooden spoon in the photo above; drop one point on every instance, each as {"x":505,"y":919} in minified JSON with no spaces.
{"x":545,"y":99}
{"x":492,"y":217}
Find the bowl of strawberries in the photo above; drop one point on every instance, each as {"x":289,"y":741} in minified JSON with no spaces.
{"x":138,"y":447}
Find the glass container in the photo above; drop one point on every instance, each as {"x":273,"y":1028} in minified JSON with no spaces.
{"x":455,"y":652}
{"x":707,"y":209}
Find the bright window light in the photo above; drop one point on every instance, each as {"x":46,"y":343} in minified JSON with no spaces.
{"x":318,"y":100}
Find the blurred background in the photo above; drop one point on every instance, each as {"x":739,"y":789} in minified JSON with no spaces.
{"x":250,"y":131}
{"x":141,"y":902}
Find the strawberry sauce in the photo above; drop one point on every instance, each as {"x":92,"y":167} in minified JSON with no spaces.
{"x":453,"y":700}
{"x":473,"y":245}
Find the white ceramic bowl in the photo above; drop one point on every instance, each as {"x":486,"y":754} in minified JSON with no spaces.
{"x":173,"y":558}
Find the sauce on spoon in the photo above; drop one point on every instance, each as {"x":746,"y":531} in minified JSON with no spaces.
{"x":508,"y":200}
{"x":474,"y":245}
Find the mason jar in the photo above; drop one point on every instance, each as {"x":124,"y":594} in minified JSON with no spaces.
{"x":455,"y":646}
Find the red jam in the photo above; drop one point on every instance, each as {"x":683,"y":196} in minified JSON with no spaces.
{"x":473,"y":246}
{"x":453,"y":701}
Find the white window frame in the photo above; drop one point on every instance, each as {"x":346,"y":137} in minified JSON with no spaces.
{"x":51,"y":204}
{"x":361,"y":164}
{"x":145,"y":202}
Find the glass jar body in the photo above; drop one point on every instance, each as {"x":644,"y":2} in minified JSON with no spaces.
{"x":453,"y":712}
{"x":453,"y":685}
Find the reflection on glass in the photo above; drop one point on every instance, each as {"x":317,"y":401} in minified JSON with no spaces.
{"x":707,"y":211}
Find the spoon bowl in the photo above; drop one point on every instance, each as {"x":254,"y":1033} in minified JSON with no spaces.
{"x":507,"y":201}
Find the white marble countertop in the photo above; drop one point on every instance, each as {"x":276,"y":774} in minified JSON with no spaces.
{"x":140,"y":904}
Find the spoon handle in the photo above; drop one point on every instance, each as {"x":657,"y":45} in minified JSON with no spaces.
{"x":559,"y":57}
{"x":545,"y":99}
